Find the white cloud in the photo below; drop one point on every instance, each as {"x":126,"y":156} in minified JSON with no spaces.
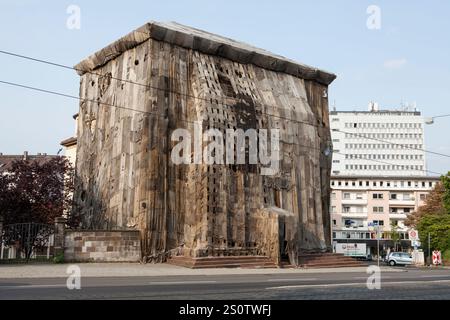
{"x":394,"y":63}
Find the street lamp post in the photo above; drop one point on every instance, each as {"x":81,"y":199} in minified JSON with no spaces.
{"x":429,"y":248}
{"x":378,"y":244}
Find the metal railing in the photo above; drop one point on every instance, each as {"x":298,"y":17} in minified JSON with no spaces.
{"x":26,"y":241}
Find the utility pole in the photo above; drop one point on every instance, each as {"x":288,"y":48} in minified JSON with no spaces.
{"x":378,"y":244}
{"x":429,"y":248}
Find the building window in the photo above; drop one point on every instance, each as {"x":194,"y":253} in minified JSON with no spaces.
{"x":334,"y":222}
{"x":346,"y":209}
{"x":377,"y":196}
{"x":423,"y":196}
{"x":378,"y":210}
{"x":393,"y":196}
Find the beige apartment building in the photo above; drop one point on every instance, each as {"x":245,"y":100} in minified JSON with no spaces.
{"x":358,"y":202}
{"x":70,"y":145}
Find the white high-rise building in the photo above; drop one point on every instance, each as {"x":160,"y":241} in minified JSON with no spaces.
{"x":378,"y":142}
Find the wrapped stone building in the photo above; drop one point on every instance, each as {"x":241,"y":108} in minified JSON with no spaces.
{"x":165,"y":76}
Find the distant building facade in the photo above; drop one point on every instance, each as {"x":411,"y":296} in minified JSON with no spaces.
{"x":360,"y":201}
{"x":378,"y":175}
{"x":7,"y":160}
{"x":378,"y":142}
{"x":70,"y":145}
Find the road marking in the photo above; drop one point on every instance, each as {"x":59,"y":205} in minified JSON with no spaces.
{"x":363,"y":278}
{"x":436,"y":276}
{"x":31,"y":286}
{"x":290,"y":279}
{"x":330,"y":285}
{"x":180,"y":282}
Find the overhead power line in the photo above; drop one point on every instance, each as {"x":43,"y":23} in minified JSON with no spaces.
{"x":149,"y":112}
{"x":146,"y":85}
{"x":205,"y":99}
{"x":174,"y":92}
{"x":441,"y":116}
{"x":404,"y":146}
{"x":389,"y":163}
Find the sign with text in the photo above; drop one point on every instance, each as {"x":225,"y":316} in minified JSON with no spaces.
{"x":352,"y":249}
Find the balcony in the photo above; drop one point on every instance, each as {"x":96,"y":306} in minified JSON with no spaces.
{"x":358,"y":214}
{"x":351,"y":234}
{"x":354,"y":201}
{"x":397,"y":215}
{"x":355,"y":228}
{"x":402,"y":202}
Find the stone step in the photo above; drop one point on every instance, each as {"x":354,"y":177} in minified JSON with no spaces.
{"x":333,"y":265}
{"x":325,"y":259}
{"x":328,"y":260}
{"x":223,"y":262}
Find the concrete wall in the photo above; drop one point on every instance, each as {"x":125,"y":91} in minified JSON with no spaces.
{"x":102,"y":246}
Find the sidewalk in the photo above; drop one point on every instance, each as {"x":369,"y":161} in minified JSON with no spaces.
{"x":151,"y":270}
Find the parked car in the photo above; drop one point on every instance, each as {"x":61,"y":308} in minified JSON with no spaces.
{"x":399,"y":258}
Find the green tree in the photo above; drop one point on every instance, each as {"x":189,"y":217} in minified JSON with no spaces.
{"x":438,"y":226}
{"x":434,"y":218}
{"x":395,"y":235}
{"x":445,"y":180}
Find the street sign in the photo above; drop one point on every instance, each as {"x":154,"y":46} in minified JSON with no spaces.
{"x":413,"y":235}
{"x":437,"y":257}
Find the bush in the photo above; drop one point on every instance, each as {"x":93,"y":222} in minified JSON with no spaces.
{"x":59,"y":258}
{"x":446,"y":257}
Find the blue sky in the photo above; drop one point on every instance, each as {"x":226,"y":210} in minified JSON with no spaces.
{"x":406,"y":60}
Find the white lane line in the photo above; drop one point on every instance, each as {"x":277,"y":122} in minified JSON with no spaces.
{"x":365,"y":278}
{"x":330,"y":285}
{"x":31,"y":286}
{"x":156,"y":283}
{"x":436,"y":276}
{"x":290,"y":279}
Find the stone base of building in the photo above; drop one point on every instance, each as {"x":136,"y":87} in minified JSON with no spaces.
{"x":328,"y":260}
{"x":223,"y":262}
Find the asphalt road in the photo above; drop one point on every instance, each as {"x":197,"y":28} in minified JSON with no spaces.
{"x":410,"y":284}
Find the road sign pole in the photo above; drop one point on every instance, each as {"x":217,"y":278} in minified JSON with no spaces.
{"x":429,"y":248}
{"x":378,"y":245}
